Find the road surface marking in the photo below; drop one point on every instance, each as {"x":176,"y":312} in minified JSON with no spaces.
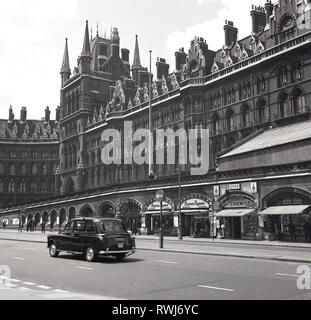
{"x":25,"y":289}
{"x":18,"y":258}
{"x":64,"y":295}
{"x":216,"y":288}
{"x":60,"y":291}
{"x":168,"y":262}
{"x":292,"y":275}
{"x":15,"y":280}
{"x":44,"y":287}
{"x":85,"y":268}
{"x":29,"y":283}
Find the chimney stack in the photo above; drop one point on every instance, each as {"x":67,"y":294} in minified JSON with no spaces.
{"x":23,"y":115}
{"x":258,"y":19}
{"x":162,"y":68}
{"x":125,"y":53}
{"x":180,"y":58}
{"x":231,"y":33}
{"x":47,"y":115}
{"x":269,"y":11}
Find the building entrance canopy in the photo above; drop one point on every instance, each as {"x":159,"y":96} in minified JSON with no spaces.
{"x":234,"y":213}
{"x":285,"y":210}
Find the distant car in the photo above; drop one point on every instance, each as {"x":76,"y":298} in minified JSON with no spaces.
{"x":93,"y":237}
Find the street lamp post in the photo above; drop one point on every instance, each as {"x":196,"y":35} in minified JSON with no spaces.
{"x":150,"y":121}
{"x":160,"y":198}
{"x":180,"y":225}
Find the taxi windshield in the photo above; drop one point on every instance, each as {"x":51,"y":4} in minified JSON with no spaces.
{"x":113,"y":226}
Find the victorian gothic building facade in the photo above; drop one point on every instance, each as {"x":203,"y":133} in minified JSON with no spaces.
{"x":250,"y":85}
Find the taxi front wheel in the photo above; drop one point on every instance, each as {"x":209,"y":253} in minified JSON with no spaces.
{"x":89,"y":254}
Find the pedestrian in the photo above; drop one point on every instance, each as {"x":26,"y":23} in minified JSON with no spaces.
{"x":306,"y":231}
{"x":4,"y":224}
{"x":51,"y":226}
{"x":43,"y":227}
{"x":292,"y":231}
{"x":134,"y":228}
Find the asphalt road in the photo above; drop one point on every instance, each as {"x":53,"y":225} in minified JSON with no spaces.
{"x":147,"y":275}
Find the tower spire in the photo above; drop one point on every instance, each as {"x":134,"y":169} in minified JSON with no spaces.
{"x":86,"y":50}
{"x":66,"y":65}
{"x":136,"y":63}
{"x":65,"y":70}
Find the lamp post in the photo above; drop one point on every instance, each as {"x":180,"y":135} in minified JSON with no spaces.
{"x":160,"y":198}
{"x":150,"y":121}
{"x":180,"y":225}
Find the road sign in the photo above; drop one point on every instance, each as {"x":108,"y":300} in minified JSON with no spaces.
{"x":160,"y":195}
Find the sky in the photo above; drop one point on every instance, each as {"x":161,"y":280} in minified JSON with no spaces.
{"x":33,"y":32}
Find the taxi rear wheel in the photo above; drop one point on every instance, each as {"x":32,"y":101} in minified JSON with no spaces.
{"x":53,"y":251}
{"x":89,"y":254}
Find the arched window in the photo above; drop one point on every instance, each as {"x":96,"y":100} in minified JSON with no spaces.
{"x":261,"y":111}
{"x":298,"y":101}
{"x":44,"y":170}
{"x":229,"y":120}
{"x":44,"y":186}
{"x":1,"y":169}
{"x":297,"y":72}
{"x":12,"y":170}
{"x":283,"y":105}
{"x":282,"y":76}
{"x":33,"y":187}
{"x":34,"y":170}
{"x":215,"y":124}
{"x":245,"y":116}
{"x":11,"y":186}
{"x":22,"y":186}
{"x":23,"y":170}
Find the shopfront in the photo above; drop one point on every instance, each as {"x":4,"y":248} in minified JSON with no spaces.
{"x":236,"y":217}
{"x":195,"y":212}
{"x":151,"y":218}
{"x":287,"y":215}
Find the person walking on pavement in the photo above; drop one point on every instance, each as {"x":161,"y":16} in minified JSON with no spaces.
{"x":292,"y":231}
{"x":306,"y":230}
{"x":134,"y":228}
{"x":43,"y":227}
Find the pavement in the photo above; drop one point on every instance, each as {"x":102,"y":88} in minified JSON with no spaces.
{"x":278,"y":251}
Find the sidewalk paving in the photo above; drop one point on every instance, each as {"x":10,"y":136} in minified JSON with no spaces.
{"x":290,"y":252}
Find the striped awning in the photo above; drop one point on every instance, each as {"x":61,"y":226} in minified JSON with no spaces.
{"x":234,"y":213}
{"x":284,"y":210}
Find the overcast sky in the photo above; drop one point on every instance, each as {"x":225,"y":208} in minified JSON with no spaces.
{"x":33,"y":32}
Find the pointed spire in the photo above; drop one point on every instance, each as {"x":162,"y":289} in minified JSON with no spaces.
{"x":136,"y":63}
{"x":97,"y":33}
{"x":86,"y":44}
{"x":66,"y":66}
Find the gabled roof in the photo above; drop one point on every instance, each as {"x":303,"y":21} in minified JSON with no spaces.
{"x":273,"y":138}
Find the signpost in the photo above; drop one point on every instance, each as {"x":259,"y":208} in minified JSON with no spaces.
{"x":160,"y":197}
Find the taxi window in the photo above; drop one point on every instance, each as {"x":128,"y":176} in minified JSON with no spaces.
{"x":79,"y":226}
{"x":69,"y":226}
{"x":90,"y":227}
{"x":113,"y":226}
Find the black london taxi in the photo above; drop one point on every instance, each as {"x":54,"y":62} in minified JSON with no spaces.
{"x":93,"y":237}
